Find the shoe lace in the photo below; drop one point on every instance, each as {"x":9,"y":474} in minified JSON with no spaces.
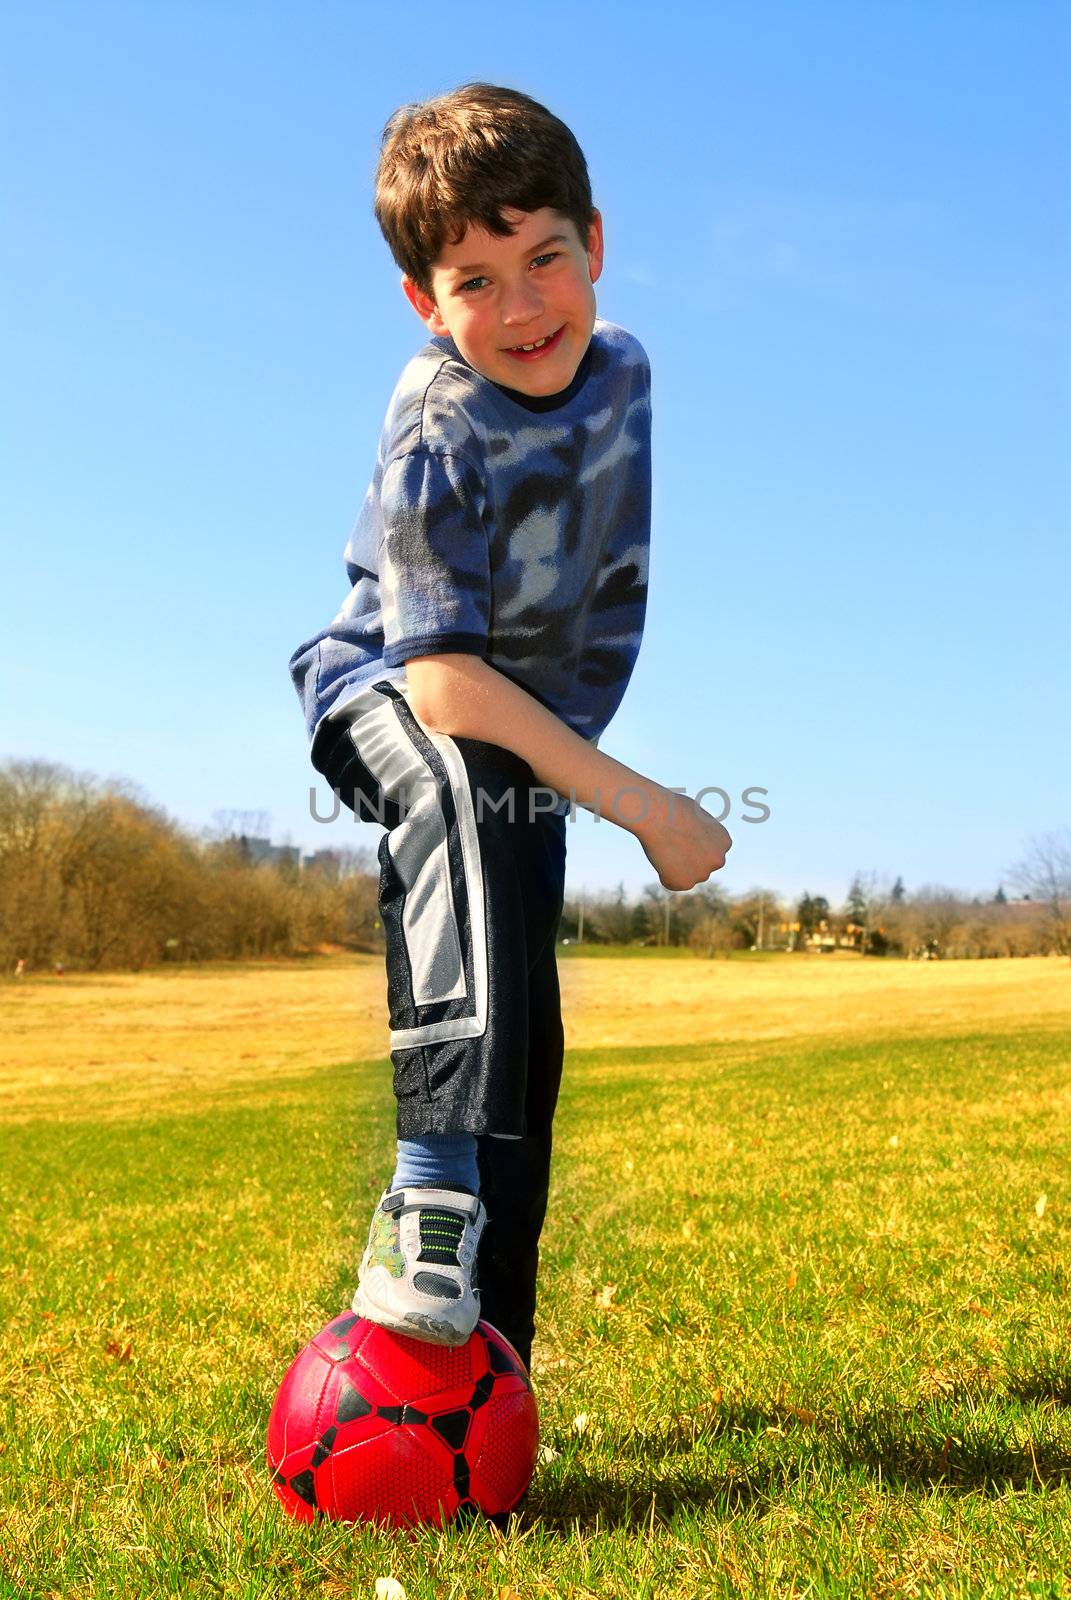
{"x":441,"y":1233}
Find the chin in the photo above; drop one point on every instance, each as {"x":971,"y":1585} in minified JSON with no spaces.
{"x":539,"y":380}
{"x":547,"y":385}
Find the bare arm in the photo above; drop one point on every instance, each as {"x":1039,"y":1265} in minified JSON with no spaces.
{"x":463,"y":695}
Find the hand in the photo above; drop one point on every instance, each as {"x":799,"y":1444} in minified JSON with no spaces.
{"x":682,"y":842}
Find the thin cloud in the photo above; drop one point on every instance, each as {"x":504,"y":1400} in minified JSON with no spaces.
{"x":907,"y":257}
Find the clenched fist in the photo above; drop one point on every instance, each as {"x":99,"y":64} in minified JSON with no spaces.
{"x":682,"y":842}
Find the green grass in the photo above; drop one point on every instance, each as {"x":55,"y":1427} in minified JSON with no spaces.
{"x":836,"y":1359}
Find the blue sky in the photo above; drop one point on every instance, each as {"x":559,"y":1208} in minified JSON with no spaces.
{"x":841,"y":231}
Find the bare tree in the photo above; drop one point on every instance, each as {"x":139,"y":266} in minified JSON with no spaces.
{"x":661,"y":903}
{"x":755,"y":917}
{"x":932,"y":913}
{"x":617,"y":916}
{"x":1044,"y":874}
{"x":232,"y":823}
{"x":44,"y":813}
{"x":711,"y":929}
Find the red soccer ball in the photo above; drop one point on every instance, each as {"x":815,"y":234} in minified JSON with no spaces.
{"x":372,"y":1426}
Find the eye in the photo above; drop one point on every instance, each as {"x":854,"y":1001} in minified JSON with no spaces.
{"x":467,"y":287}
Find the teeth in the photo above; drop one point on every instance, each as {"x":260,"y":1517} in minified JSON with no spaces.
{"x":537,"y":346}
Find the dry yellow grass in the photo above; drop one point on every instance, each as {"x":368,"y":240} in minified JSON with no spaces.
{"x":622,"y":1002}
{"x":177,"y":1036}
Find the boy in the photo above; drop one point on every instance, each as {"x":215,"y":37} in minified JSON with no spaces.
{"x":499,"y":581}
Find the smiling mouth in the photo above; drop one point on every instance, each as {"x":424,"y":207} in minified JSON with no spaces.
{"x":537,"y":344}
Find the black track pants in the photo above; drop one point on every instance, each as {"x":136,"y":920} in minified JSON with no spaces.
{"x":472,"y":874}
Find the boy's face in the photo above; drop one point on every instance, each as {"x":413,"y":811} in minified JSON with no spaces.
{"x":490,"y":295}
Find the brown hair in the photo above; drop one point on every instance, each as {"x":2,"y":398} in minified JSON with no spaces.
{"x":460,"y":159}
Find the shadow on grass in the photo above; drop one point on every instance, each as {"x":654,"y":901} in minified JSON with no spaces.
{"x":1053,"y":1388}
{"x":895,"y":1449}
{"x":590,"y":1499}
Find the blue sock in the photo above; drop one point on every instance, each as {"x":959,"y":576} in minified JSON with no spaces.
{"x":438,"y":1160}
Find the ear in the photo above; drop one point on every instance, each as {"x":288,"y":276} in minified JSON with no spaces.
{"x":595,"y":247}
{"x":424,"y":306}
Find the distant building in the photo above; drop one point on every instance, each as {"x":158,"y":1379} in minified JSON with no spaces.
{"x":253,"y":849}
{"x":259,"y":850}
{"x":285,"y":855}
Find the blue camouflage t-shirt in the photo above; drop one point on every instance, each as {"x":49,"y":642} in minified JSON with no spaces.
{"x":502,"y":525}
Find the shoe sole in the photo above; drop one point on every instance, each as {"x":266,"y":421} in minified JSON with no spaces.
{"x":415,"y":1324}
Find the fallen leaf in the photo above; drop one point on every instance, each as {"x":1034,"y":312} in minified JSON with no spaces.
{"x":792,"y":1279}
{"x":801,"y":1412}
{"x":580,"y":1422}
{"x":1039,"y":1209}
{"x":547,"y":1454}
{"x":604,"y":1297}
{"x":508,"y":1592}
{"x":389,"y":1589}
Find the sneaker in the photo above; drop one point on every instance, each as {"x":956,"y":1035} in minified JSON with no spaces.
{"x":416,"y":1275}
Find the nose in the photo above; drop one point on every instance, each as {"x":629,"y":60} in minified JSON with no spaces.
{"x":520,"y":304}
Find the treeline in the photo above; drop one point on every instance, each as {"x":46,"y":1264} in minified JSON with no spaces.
{"x":93,"y":876}
{"x":931,"y":923}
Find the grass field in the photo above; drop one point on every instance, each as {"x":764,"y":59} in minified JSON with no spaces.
{"x":805,"y":1325}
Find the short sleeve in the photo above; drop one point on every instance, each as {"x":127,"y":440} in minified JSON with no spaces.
{"x":434,"y":568}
